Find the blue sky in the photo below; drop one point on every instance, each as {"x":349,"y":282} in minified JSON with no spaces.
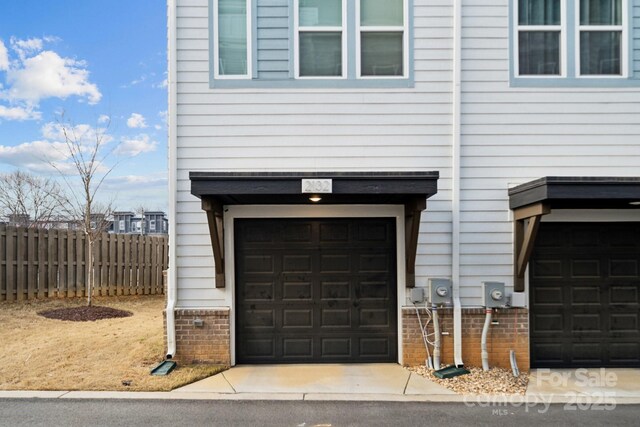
{"x":93,"y":60}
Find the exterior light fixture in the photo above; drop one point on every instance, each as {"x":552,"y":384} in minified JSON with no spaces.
{"x":315,"y":198}
{"x":636,"y":203}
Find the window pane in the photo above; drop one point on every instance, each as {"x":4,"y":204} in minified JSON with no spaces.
{"x":381,"y":54}
{"x":600,"y":12}
{"x":326,"y":13}
{"x":539,"y":12}
{"x":320,"y":54}
{"x":232,"y":37}
{"x":600,"y":52}
{"x":381,"y":12}
{"x":539,"y":52}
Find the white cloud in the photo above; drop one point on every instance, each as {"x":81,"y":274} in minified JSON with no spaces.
{"x":48,"y":75}
{"x":34,"y":155}
{"x":138,"y":181}
{"x":4,"y":57}
{"x":104,"y":118}
{"x":136,"y":121}
{"x":19,"y":113}
{"x":25,"y":47}
{"x":86,"y":135}
{"x":133,"y":146}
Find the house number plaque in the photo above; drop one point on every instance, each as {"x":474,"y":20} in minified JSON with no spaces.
{"x":316,"y":186}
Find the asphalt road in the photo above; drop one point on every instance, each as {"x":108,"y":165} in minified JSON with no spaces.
{"x":69,"y":412}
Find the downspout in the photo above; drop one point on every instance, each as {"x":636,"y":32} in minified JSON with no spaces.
{"x":437,"y":340}
{"x":455,"y":184}
{"x":483,"y":342}
{"x":172,"y":291}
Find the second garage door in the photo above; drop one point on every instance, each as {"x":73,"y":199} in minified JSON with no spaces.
{"x":315,"y":290}
{"x":585,"y":295}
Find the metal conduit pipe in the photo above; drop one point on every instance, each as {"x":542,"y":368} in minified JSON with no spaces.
{"x":483,"y":344}
{"x":436,"y":340}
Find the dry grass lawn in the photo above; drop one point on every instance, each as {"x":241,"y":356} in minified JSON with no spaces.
{"x":46,"y":354}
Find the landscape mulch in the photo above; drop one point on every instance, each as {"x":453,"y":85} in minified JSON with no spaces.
{"x":84,"y":314}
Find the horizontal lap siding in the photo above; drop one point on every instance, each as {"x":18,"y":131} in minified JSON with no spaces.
{"x":310,"y":130}
{"x":513,"y":135}
{"x":635,"y":38}
{"x":273,"y":39}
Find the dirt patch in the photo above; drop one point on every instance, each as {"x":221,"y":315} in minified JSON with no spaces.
{"x":110,"y":354}
{"x":496,"y":381}
{"x":85,"y":314}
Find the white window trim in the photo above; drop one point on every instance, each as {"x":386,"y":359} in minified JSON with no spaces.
{"x":296,"y":42}
{"x":216,"y":52}
{"x":624,"y":48}
{"x":405,"y":43}
{"x":562,"y":28}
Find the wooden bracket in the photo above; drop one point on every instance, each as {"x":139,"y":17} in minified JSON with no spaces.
{"x":215,"y":219}
{"x":526,"y":224}
{"x":412,"y":212}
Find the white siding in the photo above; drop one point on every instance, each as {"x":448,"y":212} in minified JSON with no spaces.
{"x":513,"y":135}
{"x":509,"y":136}
{"x":310,"y":130}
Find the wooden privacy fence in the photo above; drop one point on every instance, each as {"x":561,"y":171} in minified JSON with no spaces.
{"x":39,"y":263}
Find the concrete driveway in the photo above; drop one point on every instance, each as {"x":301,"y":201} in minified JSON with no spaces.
{"x":326,"y":380}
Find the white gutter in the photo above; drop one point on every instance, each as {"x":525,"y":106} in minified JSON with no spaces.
{"x":172,"y":291}
{"x":455,"y":184}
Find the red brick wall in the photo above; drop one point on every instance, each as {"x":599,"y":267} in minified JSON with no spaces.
{"x":500,"y":340}
{"x":207,"y":344}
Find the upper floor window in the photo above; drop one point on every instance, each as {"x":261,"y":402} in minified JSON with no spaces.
{"x":320,"y":40}
{"x":311,"y":43}
{"x":570,"y":38}
{"x":381,"y":38}
{"x":600,"y":35}
{"x":232,"y":44}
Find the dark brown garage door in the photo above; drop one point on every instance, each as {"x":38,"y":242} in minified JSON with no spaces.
{"x":585,"y":287}
{"x":315,"y":290}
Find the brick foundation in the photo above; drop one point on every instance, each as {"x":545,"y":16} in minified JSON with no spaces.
{"x":500,"y":340}
{"x":209,"y":343}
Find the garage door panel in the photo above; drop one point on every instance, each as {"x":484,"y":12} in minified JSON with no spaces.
{"x":546,"y":268}
{"x":624,"y":352}
{"x":548,"y":323}
{"x":258,"y":291}
{"x":585,"y":268}
{"x":623,"y":268}
{"x":624,"y":322}
{"x":589,"y":317}
{"x":581,"y":294}
{"x":321,"y":290}
{"x":547,"y":295}
{"x":297,"y":348}
{"x":337,"y":347}
{"x":263,"y":264}
{"x":374,"y":318}
{"x":335,"y":290}
{"x":335,"y":263}
{"x":297,"y":291}
{"x":624,"y":294}
{"x":297,"y":319}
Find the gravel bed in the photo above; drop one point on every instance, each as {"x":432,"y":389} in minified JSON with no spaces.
{"x":496,"y":381}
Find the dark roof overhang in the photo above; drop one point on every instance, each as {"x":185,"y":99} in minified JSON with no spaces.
{"x":231,"y":188}
{"x":564,"y":192}
{"x":534,"y":199}
{"x":216,"y":189}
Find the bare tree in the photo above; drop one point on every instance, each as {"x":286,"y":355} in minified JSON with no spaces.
{"x":86,"y":150}
{"x":31,"y":201}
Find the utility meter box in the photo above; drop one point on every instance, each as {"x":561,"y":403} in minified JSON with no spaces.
{"x":493,"y":295}
{"x":440,"y":291}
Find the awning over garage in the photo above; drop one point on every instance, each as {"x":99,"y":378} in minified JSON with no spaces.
{"x":533,"y":199}
{"x":217,"y":189}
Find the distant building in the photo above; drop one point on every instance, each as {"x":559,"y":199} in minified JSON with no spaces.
{"x":150,"y":222}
